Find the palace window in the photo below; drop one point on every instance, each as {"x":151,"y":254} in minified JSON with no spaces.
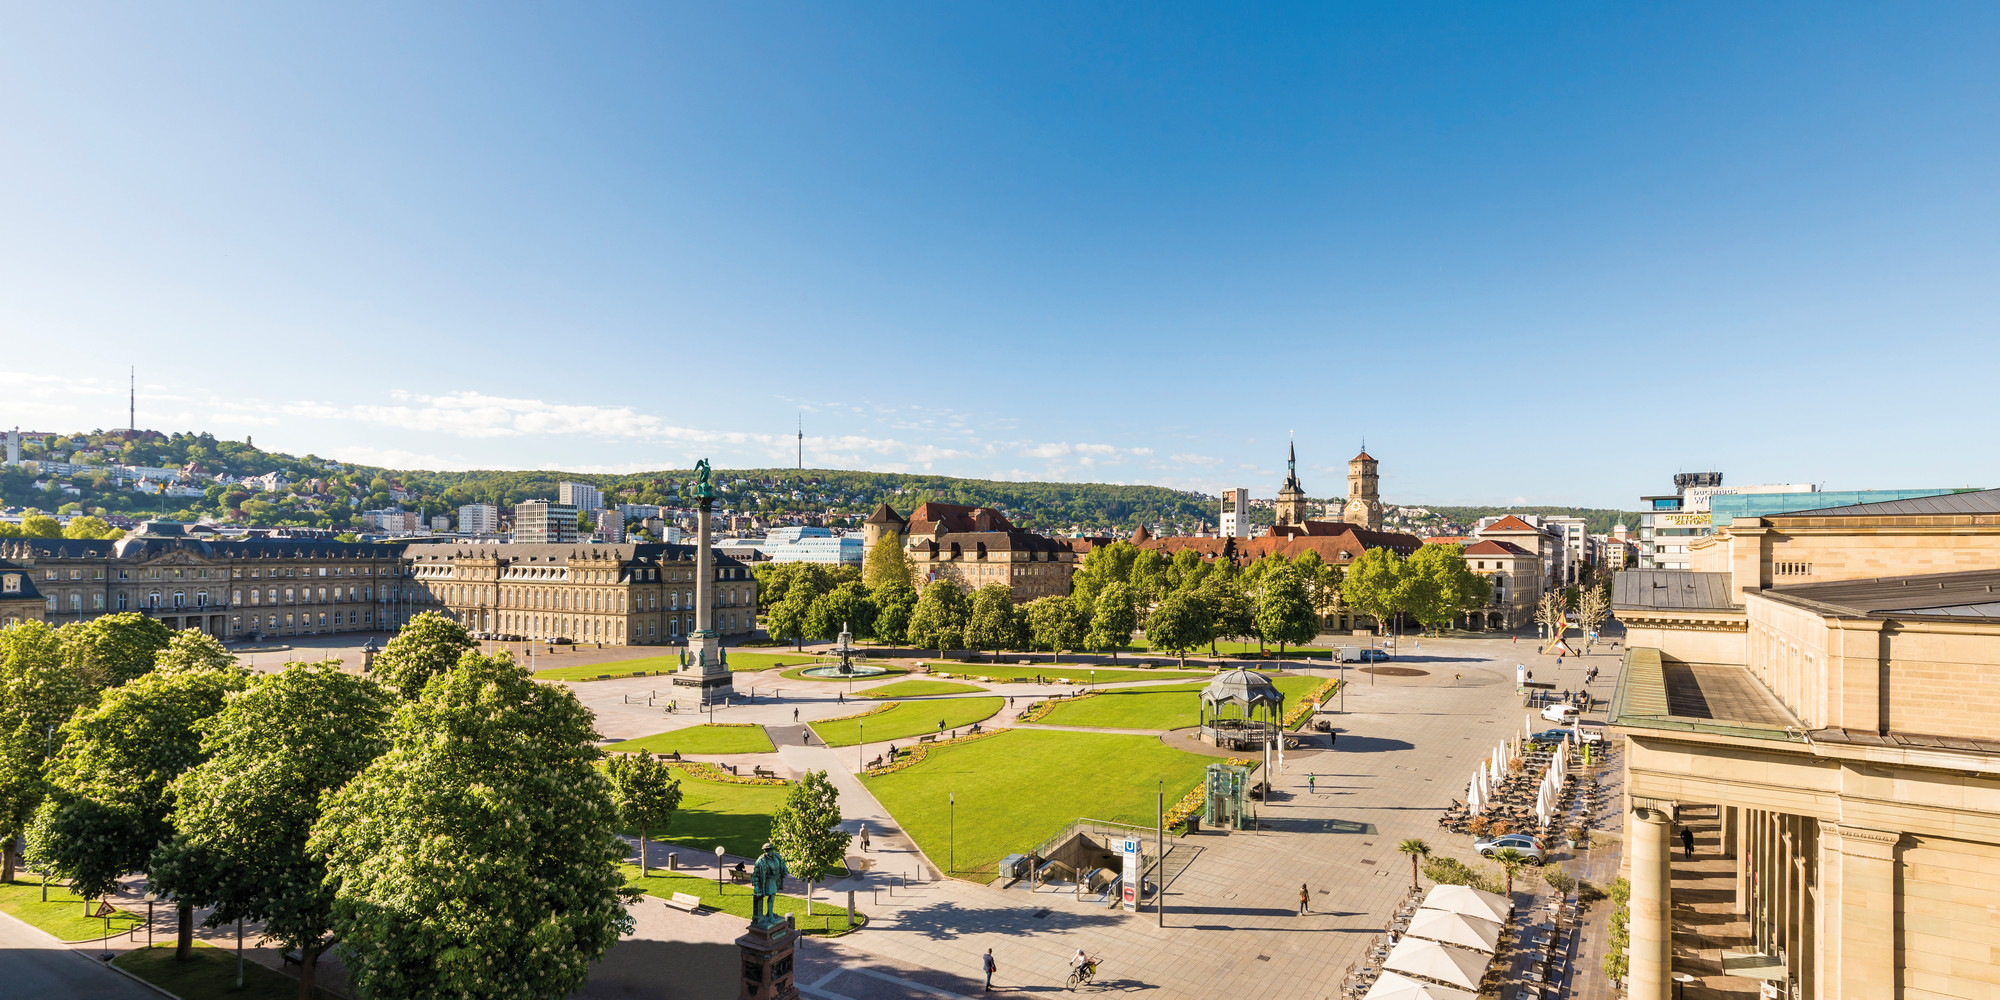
{"x":121,"y":600}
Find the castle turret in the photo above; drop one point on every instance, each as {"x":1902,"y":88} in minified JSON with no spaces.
{"x":881,"y":524}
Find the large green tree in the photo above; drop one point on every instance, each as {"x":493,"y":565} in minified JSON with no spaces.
{"x":1053,"y":622}
{"x":242,"y":817}
{"x":190,"y":649}
{"x":112,"y":649}
{"x":1180,"y":622}
{"x":993,"y":623}
{"x":1284,"y":615}
{"x":1436,"y":585}
{"x":1234,"y":613}
{"x":38,"y":692}
{"x":849,"y":605}
{"x":1371,"y":584}
{"x":428,"y":645}
{"x":895,"y":602}
{"x":478,"y":858}
{"x":886,"y":563}
{"x":109,"y":795}
{"x":806,"y":830}
{"x":1113,"y":619}
{"x":646,"y":792}
{"x":938,"y":621}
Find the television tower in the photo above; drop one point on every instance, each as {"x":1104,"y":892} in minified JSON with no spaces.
{"x":802,"y":441}
{"x":132,"y":398}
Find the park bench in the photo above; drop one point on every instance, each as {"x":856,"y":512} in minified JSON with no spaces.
{"x":293,"y":957}
{"x":731,"y":768}
{"x":672,"y":755}
{"x":927,"y":738}
{"x":764,"y":772}
{"x":683,"y":901}
{"x":877,"y":762}
{"x":974,"y":729}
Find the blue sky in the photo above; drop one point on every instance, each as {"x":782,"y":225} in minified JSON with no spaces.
{"x":1550,"y":256}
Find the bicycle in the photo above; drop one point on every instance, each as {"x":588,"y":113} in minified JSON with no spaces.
{"x":1081,"y":974}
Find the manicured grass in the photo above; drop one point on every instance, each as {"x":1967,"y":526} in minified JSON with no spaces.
{"x":65,"y":915}
{"x":210,"y":972}
{"x":1172,"y":707}
{"x":829,"y":917}
{"x":621,"y":668}
{"x":702,"y":739}
{"x":1018,"y":788}
{"x":1084,"y":674}
{"x":908,"y":720}
{"x":713,"y":812}
{"x":797,"y":673}
{"x":918,"y":689}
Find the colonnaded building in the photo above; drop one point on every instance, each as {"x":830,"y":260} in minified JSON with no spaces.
{"x":631,"y":594}
{"x":1818,"y":691}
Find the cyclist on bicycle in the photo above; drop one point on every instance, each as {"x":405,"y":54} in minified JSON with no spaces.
{"x":1082,"y":967}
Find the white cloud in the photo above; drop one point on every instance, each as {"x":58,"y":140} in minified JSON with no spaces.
{"x":1192,"y":459}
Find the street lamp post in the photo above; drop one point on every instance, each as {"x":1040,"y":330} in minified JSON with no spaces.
{"x":861,"y":734}
{"x":718,"y":869}
{"x":952,"y":799}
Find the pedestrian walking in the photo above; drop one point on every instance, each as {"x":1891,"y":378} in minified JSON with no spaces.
{"x":864,"y":838}
{"x":1332,"y":737}
{"x":1305,"y":896}
{"x":940,"y":725}
{"x":990,"y":969}
{"x":840,"y":697}
{"x":1687,"y":841}
{"x":1310,"y":782}
{"x":795,"y":715}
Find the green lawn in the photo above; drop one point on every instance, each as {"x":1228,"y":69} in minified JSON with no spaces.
{"x":1065,"y":671}
{"x":620,"y":668}
{"x":1020,"y":787}
{"x":716,"y":812}
{"x":908,"y":720}
{"x":64,"y":915}
{"x":702,"y":739}
{"x":795,"y":674}
{"x":829,"y":909}
{"x":211,"y":972}
{"x":918,"y":689}
{"x":1171,"y":707}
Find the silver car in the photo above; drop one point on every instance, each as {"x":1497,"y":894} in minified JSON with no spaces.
{"x":1522,"y":842}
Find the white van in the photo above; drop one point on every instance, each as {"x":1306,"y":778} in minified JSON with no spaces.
{"x":1565,"y":714}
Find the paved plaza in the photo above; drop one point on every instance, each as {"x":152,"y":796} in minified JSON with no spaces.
{"x":1406,"y":748}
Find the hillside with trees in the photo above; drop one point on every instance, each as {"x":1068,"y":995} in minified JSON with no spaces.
{"x":326,"y":493}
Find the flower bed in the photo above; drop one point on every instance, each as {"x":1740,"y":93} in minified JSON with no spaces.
{"x":915,"y":755}
{"x":877,"y":710}
{"x":709,"y":772}
{"x":1036,"y":711}
{"x":1298,"y":714}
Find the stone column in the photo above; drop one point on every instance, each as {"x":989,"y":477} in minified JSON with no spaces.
{"x":704,"y":572}
{"x":1864,"y":941}
{"x":1651,"y":905}
{"x":1732,"y":841}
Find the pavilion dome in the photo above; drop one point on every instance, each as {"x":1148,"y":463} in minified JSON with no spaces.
{"x":1243,"y":687}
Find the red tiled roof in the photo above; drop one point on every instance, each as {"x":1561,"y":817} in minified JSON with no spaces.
{"x":1490,"y":547}
{"x":1448,"y":540}
{"x":1509,"y":523}
{"x":885,"y":514}
{"x":956,"y":517}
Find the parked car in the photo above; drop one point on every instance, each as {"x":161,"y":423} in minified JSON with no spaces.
{"x":1565,"y":714}
{"x":1550,"y":736}
{"x":1519,"y":841}
{"x":1373,"y":656}
{"x":1589,"y":734}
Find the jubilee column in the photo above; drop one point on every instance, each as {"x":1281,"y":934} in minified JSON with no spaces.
{"x":704,"y":665}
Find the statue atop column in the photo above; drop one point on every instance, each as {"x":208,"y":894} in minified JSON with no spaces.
{"x":703,"y":664}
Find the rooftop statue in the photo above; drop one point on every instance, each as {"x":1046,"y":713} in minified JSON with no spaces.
{"x":702,"y":488}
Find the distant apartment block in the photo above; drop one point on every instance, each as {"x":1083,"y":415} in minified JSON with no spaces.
{"x":610,"y":525}
{"x":582,"y":496}
{"x":539,"y":521}
{"x":1236,"y":513}
{"x":479,"y":519}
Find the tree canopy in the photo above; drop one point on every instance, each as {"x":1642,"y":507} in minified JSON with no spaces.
{"x":478,"y":858}
{"x":428,"y":645}
{"x":806,"y":829}
{"x":646,"y":792}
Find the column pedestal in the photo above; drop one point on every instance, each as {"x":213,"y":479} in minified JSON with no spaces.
{"x":767,"y":961}
{"x":1651,"y":926}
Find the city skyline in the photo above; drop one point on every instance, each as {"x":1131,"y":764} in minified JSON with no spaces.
{"x":1024,"y":244}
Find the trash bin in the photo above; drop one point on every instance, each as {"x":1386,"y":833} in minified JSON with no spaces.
{"x":1194,"y":823}
{"x":673,"y":861}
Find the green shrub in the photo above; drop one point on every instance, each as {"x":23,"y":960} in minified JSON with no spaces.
{"x":1616,"y":960}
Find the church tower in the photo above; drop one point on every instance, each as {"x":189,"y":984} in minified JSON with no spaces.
{"x":1291,"y":506}
{"x":1364,"y":492}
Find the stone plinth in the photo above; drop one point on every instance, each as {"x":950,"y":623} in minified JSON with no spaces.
{"x":767,"y":961}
